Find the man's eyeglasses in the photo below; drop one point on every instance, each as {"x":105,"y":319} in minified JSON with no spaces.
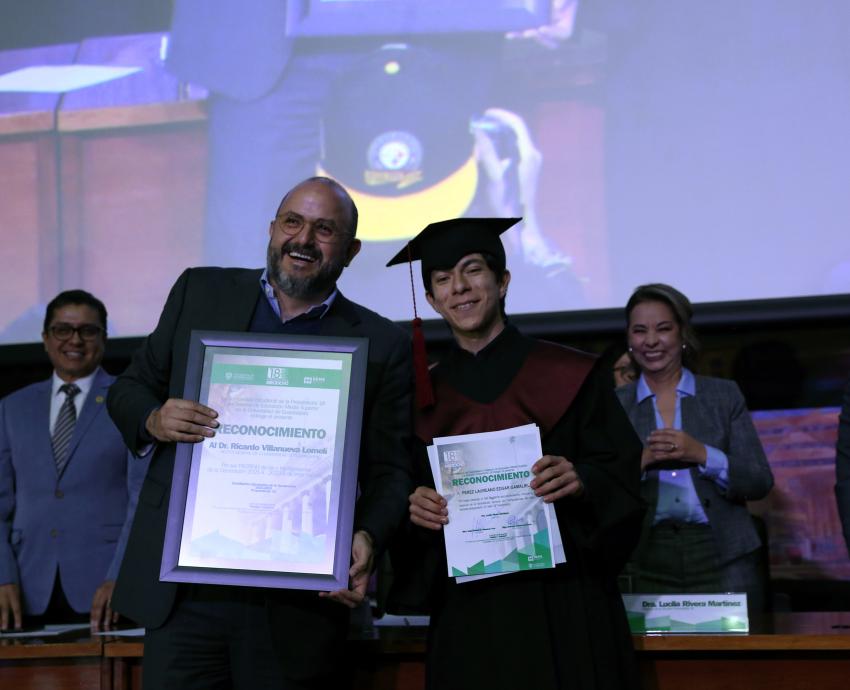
{"x":64,"y":331}
{"x":323,"y":231}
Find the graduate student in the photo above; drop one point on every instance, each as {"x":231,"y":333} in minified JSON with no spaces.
{"x":563,"y":627}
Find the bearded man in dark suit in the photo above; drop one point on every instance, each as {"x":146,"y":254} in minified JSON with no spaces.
{"x":209,"y":636}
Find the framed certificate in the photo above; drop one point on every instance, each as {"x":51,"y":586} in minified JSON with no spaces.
{"x":401,"y":17}
{"x":268,"y":501}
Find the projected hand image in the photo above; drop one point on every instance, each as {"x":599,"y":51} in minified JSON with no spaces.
{"x":511,"y":164}
{"x":560,"y":29}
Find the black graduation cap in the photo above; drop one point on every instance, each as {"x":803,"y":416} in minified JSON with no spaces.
{"x":441,"y":245}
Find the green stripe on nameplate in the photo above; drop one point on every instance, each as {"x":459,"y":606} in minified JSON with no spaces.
{"x":687,"y":613}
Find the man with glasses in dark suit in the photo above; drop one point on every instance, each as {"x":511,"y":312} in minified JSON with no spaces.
{"x":215,"y":636}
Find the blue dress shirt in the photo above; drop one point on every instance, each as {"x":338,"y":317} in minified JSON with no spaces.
{"x":320,"y":309}
{"x":677,"y":497}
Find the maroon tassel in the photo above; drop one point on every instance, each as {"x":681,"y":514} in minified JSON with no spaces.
{"x":424,"y":390}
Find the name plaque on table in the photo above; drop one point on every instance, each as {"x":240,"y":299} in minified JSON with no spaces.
{"x":687,"y":613}
{"x":268,"y":501}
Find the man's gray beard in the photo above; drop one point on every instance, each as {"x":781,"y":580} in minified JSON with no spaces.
{"x":318,"y":285}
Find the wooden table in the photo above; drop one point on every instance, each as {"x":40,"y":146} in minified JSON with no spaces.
{"x":392,"y":658}
{"x":123,"y":658}
{"x":791,"y":651}
{"x":71,"y":661}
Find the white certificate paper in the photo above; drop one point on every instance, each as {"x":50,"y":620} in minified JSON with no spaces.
{"x":496,"y":523}
{"x":263,"y":493}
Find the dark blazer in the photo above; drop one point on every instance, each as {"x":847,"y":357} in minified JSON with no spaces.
{"x":842,"y":466}
{"x":224,"y":299}
{"x":70,"y":521}
{"x":716,"y":416}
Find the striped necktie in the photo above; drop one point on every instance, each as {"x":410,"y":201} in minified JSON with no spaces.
{"x":63,"y":430}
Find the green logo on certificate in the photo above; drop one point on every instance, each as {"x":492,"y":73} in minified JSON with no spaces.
{"x":292,"y":377}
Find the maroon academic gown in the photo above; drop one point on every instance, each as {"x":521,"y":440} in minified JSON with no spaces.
{"x":550,"y":629}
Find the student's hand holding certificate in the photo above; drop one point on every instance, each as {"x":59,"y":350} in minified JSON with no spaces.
{"x":428,"y":508}
{"x":554,"y":478}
